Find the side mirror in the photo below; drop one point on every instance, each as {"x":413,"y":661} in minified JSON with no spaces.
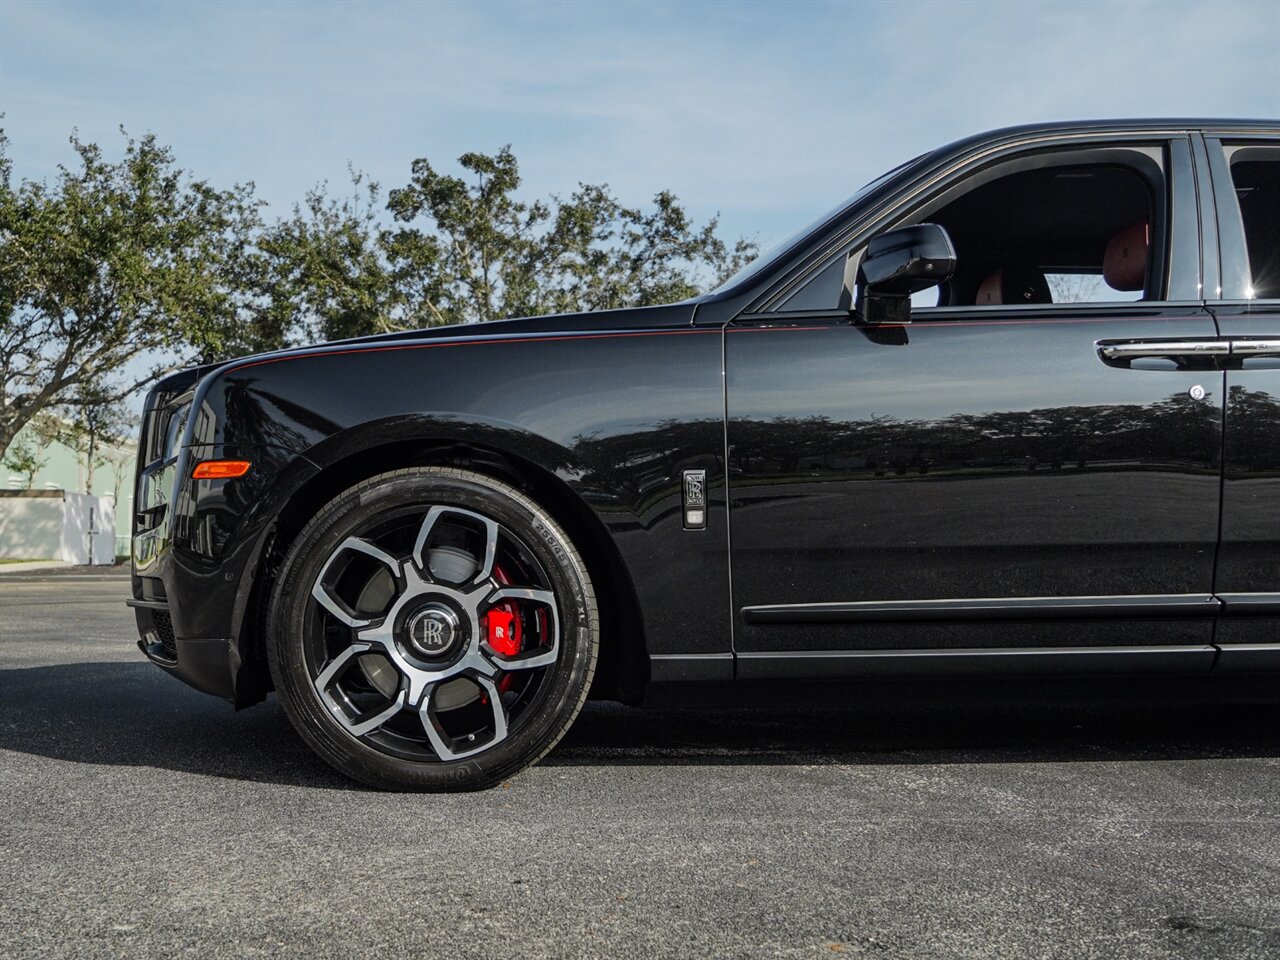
{"x":898,"y":264}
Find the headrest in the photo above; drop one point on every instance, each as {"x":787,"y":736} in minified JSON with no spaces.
{"x":1014,"y":285}
{"x":1124,"y":265}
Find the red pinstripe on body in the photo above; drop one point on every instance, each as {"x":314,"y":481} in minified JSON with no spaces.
{"x":489,"y":341}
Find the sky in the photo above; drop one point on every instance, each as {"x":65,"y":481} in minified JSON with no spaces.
{"x":767,"y":113}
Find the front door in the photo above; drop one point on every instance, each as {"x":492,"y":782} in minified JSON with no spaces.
{"x":1032,"y":465}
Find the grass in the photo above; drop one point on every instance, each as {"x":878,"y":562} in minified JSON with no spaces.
{"x":23,"y":559}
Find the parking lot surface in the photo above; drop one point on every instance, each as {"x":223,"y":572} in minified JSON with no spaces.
{"x":143,"y":819}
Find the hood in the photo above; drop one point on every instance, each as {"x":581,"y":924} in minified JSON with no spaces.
{"x":666,"y":315}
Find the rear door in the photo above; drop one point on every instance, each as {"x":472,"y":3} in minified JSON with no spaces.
{"x":1245,"y":174}
{"x":1030,"y":468}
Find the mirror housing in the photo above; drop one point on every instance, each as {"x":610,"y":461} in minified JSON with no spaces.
{"x":898,"y":264}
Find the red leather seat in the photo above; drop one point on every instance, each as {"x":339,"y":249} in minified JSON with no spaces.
{"x":1124,"y":265}
{"x":1014,"y":285}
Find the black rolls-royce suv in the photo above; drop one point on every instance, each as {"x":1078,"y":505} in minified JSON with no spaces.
{"x":1012,"y":408}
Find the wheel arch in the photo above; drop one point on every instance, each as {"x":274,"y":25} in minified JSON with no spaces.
{"x":622,"y":672}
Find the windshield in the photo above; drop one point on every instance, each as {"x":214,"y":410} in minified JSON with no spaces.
{"x":775,"y":252}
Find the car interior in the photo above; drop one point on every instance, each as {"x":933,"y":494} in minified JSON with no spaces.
{"x":1257,"y":184}
{"x":1087,"y":223}
{"x":1056,"y":233}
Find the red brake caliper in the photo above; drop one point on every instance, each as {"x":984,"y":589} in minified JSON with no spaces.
{"x":502,"y":628}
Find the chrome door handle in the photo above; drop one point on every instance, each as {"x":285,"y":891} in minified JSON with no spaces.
{"x":1185,"y":353}
{"x":1255,"y":347}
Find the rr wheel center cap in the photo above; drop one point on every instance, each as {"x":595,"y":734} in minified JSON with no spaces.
{"x":432,"y":632}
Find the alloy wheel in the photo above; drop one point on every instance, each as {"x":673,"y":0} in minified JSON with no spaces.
{"x":432,"y":633}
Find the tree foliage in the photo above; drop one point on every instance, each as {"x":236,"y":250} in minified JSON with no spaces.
{"x":328,"y":273}
{"x":100,"y":418}
{"x":27,"y":455}
{"x":115,"y":270}
{"x":463,"y":249}
{"x":112,"y":265}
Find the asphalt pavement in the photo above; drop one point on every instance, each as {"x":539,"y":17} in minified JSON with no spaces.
{"x":139,"y":818}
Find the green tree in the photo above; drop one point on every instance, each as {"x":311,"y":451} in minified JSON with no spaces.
{"x":603,"y":255}
{"x":467,"y":248}
{"x":29,"y":453}
{"x":97,"y":417}
{"x":117,"y":270}
{"x":117,"y":266}
{"x":25,"y":459}
{"x":483,"y":246}
{"x":122,"y":462}
{"x":329,"y":264}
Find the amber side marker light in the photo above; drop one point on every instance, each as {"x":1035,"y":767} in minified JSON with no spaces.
{"x":220,"y":469}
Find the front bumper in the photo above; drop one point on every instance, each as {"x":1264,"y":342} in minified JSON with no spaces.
{"x":198,"y":579}
{"x":209,"y":665}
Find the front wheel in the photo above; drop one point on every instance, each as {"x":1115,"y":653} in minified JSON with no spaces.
{"x":432,"y":629}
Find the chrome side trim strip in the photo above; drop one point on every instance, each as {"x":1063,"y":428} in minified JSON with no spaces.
{"x":1138,"y":606}
{"x":1062,"y":661}
{"x":1247,"y":660}
{"x":943,"y":652}
{"x":1250,"y":604}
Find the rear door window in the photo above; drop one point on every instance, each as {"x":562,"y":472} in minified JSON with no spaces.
{"x":1255,"y":175}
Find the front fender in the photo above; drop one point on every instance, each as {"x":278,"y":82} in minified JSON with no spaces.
{"x":616,"y":417}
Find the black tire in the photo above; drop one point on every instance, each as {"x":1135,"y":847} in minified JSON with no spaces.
{"x":562,"y":686}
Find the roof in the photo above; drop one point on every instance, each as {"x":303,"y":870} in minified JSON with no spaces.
{"x":1116,"y":125}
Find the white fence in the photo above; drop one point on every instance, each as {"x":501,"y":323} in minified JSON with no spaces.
{"x":57,"y":525}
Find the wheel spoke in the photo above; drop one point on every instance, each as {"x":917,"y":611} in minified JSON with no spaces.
{"x":544,"y":597}
{"x":420,"y":552}
{"x":546,"y":654}
{"x":373,"y":723}
{"x":337,"y":664}
{"x":360,"y":725}
{"x":334,"y":604}
{"x":442,"y":743}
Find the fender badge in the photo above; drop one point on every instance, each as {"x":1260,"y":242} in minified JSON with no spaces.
{"x":694,"y":490}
